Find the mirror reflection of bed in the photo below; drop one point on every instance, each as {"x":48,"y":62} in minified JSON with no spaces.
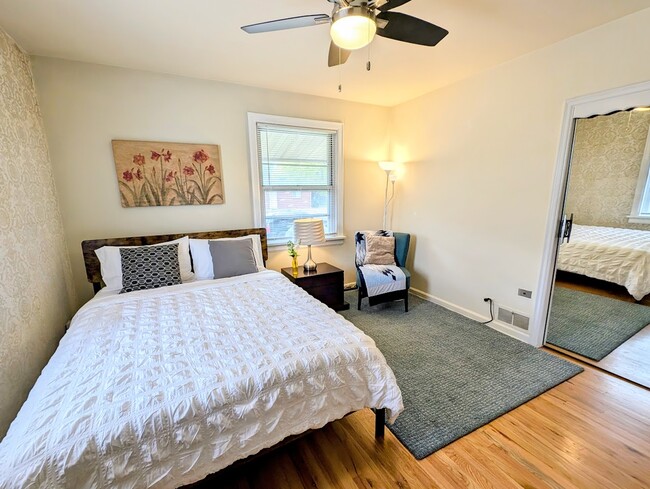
{"x":600,"y":309}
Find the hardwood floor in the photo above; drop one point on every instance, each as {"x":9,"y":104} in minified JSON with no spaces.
{"x":631,"y":360}
{"x":592,"y":431}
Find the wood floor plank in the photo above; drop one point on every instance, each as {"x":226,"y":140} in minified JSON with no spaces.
{"x":476,"y":450}
{"x":514,"y":461}
{"x":586,"y":447}
{"x":387,"y":452}
{"x":591,"y":431}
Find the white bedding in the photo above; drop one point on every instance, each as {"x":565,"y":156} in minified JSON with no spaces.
{"x":616,"y":255}
{"x":163,"y":387}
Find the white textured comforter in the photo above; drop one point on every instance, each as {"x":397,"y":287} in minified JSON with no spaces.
{"x":162,"y":387}
{"x":621,"y":256}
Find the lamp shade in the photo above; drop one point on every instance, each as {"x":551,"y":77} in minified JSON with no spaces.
{"x":388,"y":165}
{"x":309,"y":231}
{"x":353,"y":27}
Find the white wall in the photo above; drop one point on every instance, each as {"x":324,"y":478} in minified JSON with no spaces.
{"x":85,"y":106}
{"x":35,"y":277}
{"x":480,"y":157}
{"x":479,"y":154}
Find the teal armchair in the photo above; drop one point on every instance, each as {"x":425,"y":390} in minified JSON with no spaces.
{"x":402,"y":242}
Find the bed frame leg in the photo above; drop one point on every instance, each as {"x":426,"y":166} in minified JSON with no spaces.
{"x":380,"y":420}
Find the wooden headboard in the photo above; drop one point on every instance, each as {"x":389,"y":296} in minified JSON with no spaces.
{"x":93,"y":272}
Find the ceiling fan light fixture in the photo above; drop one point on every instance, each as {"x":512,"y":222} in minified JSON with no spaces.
{"x":353,"y":27}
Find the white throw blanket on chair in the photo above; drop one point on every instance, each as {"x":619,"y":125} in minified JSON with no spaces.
{"x":381,"y":279}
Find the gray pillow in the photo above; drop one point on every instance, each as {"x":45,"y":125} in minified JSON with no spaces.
{"x":149,"y":267}
{"x":231,"y":258}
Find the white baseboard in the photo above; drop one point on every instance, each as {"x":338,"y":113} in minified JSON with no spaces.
{"x":496,"y":325}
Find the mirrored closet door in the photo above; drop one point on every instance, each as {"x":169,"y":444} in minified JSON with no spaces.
{"x":600,"y":305}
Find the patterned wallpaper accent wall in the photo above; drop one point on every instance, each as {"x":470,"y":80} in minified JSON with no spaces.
{"x":605,"y":167}
{"x":35,"y":274}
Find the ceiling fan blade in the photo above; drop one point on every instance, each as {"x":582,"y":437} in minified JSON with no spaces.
{"x":402,"y":27}
{"x":337,"y":56}
{"x":288,"y":23}
{"x":391,"y":4}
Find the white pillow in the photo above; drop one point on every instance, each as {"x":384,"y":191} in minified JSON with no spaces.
{"x":111,"y":262}
{"x":202,"y":259}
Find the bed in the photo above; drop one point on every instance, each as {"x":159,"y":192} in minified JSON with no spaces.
{"x":617,"y":255}
{"x":162,"y":387}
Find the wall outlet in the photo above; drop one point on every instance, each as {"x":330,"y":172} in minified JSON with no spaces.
{"x":528,"y":294}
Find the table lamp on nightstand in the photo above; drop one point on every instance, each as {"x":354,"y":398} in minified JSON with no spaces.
{"x":309,"y":232}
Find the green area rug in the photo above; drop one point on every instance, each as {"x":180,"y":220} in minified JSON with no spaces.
{"x":591,"y":325}
{"x":455,"y":374}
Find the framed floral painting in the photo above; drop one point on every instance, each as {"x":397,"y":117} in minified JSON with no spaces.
{"x":161,"y":174}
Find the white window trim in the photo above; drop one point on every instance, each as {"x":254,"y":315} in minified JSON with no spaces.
{"x":255,"y":118}
{"x":642,"y":187}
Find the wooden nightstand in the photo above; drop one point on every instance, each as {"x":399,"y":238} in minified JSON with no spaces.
{"x":325,"y":284}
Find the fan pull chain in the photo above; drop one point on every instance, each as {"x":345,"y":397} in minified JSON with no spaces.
{"x":340,"y":68}
{"x":368,"y":65}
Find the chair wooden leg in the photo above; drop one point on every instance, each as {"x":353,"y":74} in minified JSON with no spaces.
{"x":406,"y":301}
{"x":359,"y":302}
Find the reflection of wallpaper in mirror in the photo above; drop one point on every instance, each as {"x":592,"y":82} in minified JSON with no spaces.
{"x":605,"y":167}
{"x":36,"y":286}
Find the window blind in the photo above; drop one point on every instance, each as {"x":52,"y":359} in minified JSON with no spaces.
{"x":297,"y":174}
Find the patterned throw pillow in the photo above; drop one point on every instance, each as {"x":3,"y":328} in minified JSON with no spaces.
{"x":380,"y":250}
{"x":149,"y":267}
{"x":360,"y":244}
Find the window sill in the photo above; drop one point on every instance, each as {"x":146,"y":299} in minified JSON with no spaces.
{"x":638,"y":219}
{"x":329,"y":241}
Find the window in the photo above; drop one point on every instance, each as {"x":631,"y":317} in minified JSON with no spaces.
{"x":641,"y":207}
{"x":296,"y":168}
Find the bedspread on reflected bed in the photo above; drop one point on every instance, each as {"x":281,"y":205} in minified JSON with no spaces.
{"x":617,"y":255}
{"x":163,"y":387}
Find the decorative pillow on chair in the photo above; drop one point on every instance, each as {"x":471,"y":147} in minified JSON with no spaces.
{"x":360,"y":244}
{"x":380,"y":250}
{"x":149,"y":267}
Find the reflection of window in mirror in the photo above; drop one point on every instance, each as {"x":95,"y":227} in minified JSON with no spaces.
{"x":640,"y":212}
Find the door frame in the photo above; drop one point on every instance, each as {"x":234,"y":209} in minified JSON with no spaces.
{"x":603,"y":102}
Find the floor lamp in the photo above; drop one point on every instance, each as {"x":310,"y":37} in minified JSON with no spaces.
{"x":390,"y":168}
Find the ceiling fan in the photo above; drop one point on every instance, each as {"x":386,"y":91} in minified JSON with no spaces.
{"x":354,"y":24}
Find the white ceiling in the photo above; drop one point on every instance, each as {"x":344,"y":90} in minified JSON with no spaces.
{"x":202,"y":39}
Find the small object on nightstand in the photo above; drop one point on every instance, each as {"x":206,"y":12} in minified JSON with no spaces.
{"x":325,"y":284}
{"x":291,"y":248}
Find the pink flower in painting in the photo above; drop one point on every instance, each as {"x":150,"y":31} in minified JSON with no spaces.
{"x":138,"y":174}
{"x":210,"y":169}
{"x":155,"y":156}
{"x":127,"y":175}
{"x":188,"y":170}
{"x":170,"y":176}
{"x":138,"y":159}
{"x":167,"y":156}
{"x":200,"y":156}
